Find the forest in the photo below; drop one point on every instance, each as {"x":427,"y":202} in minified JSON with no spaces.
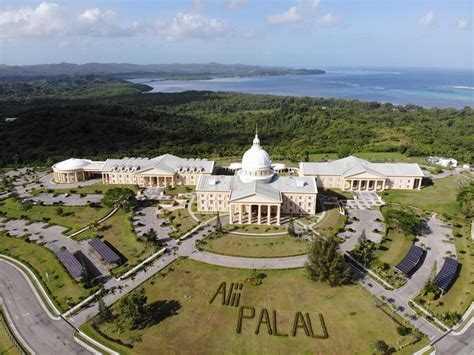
{"x":94,"y":117}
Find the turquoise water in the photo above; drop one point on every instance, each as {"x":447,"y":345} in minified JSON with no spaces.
{"x":425,"y":87}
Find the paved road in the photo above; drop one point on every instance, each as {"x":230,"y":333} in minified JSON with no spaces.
{"x":457,"y":345}
{"x":43,"y":334}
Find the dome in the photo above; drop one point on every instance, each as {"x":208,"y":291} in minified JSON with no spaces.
{"x":256,"y":158}
{"x":256,"y":164}
{"x":71,"y":164}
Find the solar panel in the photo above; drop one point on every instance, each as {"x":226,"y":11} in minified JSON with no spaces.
{"x":446,"y":275}
{"x":411,"y":260}
{"x":104,"y":251}
{"x":71,"y":264}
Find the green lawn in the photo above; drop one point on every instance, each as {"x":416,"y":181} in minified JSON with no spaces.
{"x":118,"y":231}
{"x":89,"y":189}
{"x":181,"y":189}
{"x":440,"y":197}
{"x":353,"y":322}
{"x":7,"y":345}
{"x":394,"y":247}
{"x":461,"y":294}
{"x":73,"y":218}
{"x":65,"y":291}
{"x":182,"y":221}
{"x":255,"y":247}
{"x":331,"y":222}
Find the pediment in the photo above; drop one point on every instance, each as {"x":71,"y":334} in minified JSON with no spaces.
{"x":156,"y":171}
{"x":256,"y":198}
{"x":365,"y":175}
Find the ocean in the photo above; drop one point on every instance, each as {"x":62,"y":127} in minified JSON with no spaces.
{"x":424,"y":87}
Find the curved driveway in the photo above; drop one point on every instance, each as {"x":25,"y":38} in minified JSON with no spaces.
{"x":249,"y":263}
{"x":42,"y":334}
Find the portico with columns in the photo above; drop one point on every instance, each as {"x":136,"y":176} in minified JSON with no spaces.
{"x":374,"y":184}
{"x":242,"y":212}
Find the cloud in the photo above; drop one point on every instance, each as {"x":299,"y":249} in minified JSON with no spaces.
{"x":95,"y":22}
{"x":192,"y":25}
{"x":236,"y":4}
{"x":329,"y":20}
{"x":44,"y":20}
{"x":463,"y":24}
{"x":290,"y":16}
{"x":428,"y":19}
{"x":303,"y":9}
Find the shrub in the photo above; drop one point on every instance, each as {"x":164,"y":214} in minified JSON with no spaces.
{"x":403,"y":331}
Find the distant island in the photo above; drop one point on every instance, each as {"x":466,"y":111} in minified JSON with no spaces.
{"x":162,"y":71}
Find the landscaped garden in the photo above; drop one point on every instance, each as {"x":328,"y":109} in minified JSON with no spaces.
{"x":331,"y":223}
{"x":255,"y":228}
{"x":118,"y":232}
{"x":71,"y":217}
{"x":394,"y":247}
{"x":254,"y":247}
{"x":88,"y":189}
{"x":64,"y":290}
{"x":184,"y":298}
{"x":181,"y":220}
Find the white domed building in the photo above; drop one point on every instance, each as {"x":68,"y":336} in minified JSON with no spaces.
{"x":256,"y":194}
{"x":71,"y":170}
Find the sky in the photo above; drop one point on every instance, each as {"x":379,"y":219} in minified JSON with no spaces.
{"x":295,"y":33}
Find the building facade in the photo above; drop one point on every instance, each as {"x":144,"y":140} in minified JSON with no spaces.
{"x":256,"y":194}
{"x":163,"y":171}
{"x":355,"y":174}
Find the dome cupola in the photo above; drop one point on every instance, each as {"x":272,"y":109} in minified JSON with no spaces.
{"x":256,"y":164}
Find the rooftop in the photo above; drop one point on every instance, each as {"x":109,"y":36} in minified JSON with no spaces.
{"x":351,"y":165}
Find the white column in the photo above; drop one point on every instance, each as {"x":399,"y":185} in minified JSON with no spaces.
{"x":269,"y":211}
{"x":249,"y":213}
{"x":259,"y":221}
{"x":278,"y":214}
{"x":240,"y":213}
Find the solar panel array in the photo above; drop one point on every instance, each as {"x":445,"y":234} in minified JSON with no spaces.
{"x":104,"y":251}
{"x":447,"y":274}
{"x":72,"y":265}
{"x":411,"y":260}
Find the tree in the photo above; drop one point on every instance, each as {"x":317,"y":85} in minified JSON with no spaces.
{"x":364,"y":250}
{"x":116,"y":196}
{"x":105,"y":315}
{"x":151,"y":238}
{"x":133,"y":308}
{"x":291,"y":227}
{"x":430,"y":284}
{"x":465,"y":199}
{"x":326,"y":264}
{"x":381,"y":347}
{"x":343,"y":151}
{"x":404,"y":220}
{"x":87,"y":279}
{"x":219,"y":230}
{"x":59,"y":211}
